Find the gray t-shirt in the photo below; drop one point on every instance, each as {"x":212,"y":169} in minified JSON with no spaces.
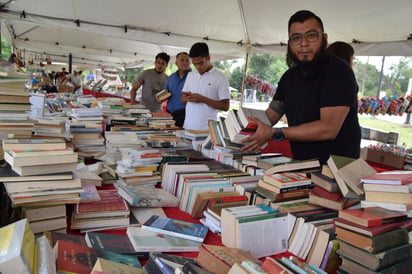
{"x":152,"y":82}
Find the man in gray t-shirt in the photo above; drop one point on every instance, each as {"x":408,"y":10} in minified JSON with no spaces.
{"x":153,"y":81}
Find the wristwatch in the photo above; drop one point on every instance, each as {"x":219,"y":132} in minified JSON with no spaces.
{"x":278,"y":134}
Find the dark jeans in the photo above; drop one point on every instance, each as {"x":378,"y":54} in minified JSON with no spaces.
{"x":179,"y":117}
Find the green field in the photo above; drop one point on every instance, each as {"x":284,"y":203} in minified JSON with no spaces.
{"x":405,"y":132}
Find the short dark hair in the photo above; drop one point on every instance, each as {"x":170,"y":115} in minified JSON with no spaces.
{"x":303,"y":15}
{"x":182,"y":53}
{"x":200,"y":49}
{"x":342,"y":50}
{"x":164,"y":56}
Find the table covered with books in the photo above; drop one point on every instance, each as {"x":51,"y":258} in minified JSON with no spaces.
{"x":245,"y":197}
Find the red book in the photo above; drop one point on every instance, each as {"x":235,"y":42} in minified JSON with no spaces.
{"x":389,"y":178}
{"x":368,"y":231}
{"x":371,"y":216}
{"x":225,"y":199}
{"x":321,"y":192}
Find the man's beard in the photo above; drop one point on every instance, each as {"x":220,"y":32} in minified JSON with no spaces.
{"x":307,"y":68}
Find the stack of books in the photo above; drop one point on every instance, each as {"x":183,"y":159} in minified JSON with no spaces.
{"x":110,"y":212}
{"x":47,"y":128}
{"x":213,"y":209}
{"x":147,"y":196}
{"x":391,"y":190}
{"x":15,"y":104}
{"x":138,"y":162}
{"x":86,"y":128}
{"x":39,"y":156}
{"x":373,"y":240}
{"x":111,"y":105}
{"x":161,"y":120}
{"x":284,"y":186}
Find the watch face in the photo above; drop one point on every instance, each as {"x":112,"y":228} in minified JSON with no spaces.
{"x":278,"y":135}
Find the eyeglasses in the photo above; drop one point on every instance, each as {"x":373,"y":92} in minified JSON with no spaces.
{"x":310,"y":36}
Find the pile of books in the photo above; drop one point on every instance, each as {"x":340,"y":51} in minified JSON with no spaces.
{"x":391,"y":190}
{"x":110,"y":212}
{"x":86,"y":129}
{"x":39,"y":156}
{"x":373,"y":239}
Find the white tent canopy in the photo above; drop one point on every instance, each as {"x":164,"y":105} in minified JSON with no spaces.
{"x":131,"y":32}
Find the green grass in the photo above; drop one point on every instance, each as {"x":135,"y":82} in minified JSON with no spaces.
{"x":405,"y":132}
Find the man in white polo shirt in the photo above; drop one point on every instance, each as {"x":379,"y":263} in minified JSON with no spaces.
{"x":206,"y":91}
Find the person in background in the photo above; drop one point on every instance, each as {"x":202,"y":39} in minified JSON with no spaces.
{"x":318,"y":94}
{"x":152,"y":80}
{"x":343,"y":50}
{"x":205,"y":91}
{"x":75,"y":81}
{"x":13,"y":59}
{"x":174,"y":85}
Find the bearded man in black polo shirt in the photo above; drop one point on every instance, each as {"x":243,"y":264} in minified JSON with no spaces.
{"x":318,"y":94}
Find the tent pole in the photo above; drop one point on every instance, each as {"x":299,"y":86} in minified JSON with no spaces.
{"x":242,"y":91}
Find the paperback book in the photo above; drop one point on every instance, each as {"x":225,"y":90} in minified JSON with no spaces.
{"x":173,"y":227}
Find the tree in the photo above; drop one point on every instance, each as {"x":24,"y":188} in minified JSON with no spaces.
{"x":396,"y":83}
{"x":5,"y":49}
{"x":367,"y":76}
{"x":267,"y":67}
{"x":130,"y":74}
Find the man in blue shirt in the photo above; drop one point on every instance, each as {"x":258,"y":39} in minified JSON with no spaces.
{"x":174,"y":85}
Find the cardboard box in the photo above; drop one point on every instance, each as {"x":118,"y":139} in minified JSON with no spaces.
{"x":384,"y":158}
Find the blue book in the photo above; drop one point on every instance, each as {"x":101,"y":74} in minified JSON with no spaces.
{"x":173,"y":227}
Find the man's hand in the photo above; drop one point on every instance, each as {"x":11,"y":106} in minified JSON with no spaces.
{"x":195,"y":98}
{"x":262,"y":135}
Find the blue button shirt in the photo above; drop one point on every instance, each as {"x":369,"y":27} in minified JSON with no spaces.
{"x":175,"y":85}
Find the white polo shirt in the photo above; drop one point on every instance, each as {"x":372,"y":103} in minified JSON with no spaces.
{"x":212,"y":84}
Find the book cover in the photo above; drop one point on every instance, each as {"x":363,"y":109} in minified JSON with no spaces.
{"x":173,"y":227}
{"x":379,"y":260}
{"x":270,"y":162}
{"x":107,"y":266}
{"x":149,"y":241}
{"x":219,"y":259}
{"x":353,"y":172}
{"x":374,"y":244}
{"x":287,"y":179}
{"x":142,"y":196}
{"x":336,"y":162}
{"x":109,"y":205}
{"x":389,"y":178}
{"x":367,"y":231}
{"x":272,"y":266}
{"x":289,"y":165}
{"x":17,"y":248}
{"x":371,"y":216}
{"x":109,"y":242}
{"x":81,"y":259}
